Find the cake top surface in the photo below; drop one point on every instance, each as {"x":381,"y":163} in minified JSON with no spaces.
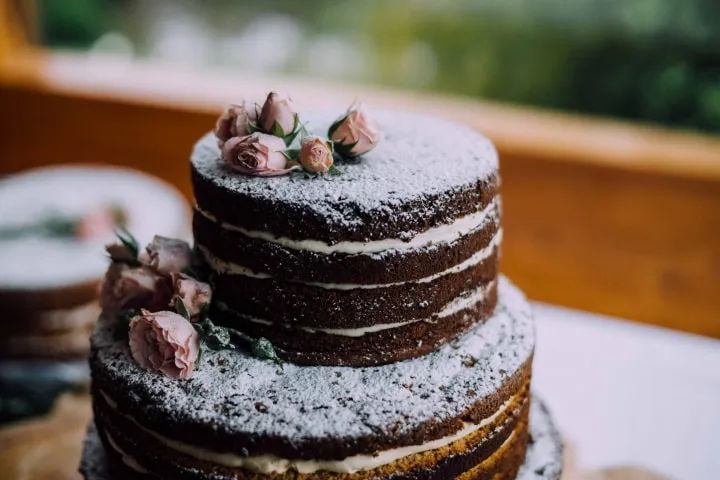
{"x":40,"y":262}
{"x":304,"y":403}
{"x":419,"y":156}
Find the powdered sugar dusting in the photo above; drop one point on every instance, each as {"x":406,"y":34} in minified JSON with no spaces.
{"x":420,"y":156}
{"x":306,"y":403}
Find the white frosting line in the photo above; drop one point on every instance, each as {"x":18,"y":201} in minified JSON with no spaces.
{"x":223,"y":266}
{"x":452,"y":307}
{"x":442,"y":234}
{"x":272,"y":464}
{"x":128,"y":460}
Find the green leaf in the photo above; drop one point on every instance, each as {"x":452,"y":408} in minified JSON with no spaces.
{"x":334,"y":170}
{"x":122,"y":323}
{"x":204,"y":311}
{"x":253,"y":127}
{"x":181,"y":308}
{"x":293,"y":154}
{"x":127,"y":239}
{"x":335,"y":125}
{"x":262,"y":348}
{"x":277,"y":130}
{"x":119,"y":215}
{"x":219,"y":339}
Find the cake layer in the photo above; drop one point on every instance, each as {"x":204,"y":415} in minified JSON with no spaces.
{"x":425,"y":173}
{"x":379,"y":265}
{"x":236,"y":406}
{"x":370,"y":345}
{"x":349,"y":305}
{"x":542,"y":459}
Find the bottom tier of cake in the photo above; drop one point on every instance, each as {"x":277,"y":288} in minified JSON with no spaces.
{"x":542,"y":460}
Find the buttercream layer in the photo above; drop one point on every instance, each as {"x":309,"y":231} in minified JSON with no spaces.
{"x":391,"y":265}
{"x":313,"y":305}
{"x":476,"y":446}
{"x":376,"y":345}
{"x":236,"y":403}
{"x":426,"y":172}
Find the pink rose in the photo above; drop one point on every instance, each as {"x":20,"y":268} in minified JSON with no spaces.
{"x":192,"y":293}
{"x":97,"y":223}
{"x":133,"y":287}
{"x":167,"y":255}
{"x":165,"y":342}
{"x":316,"y":155}
{"x":234,"y":122}
{"x":278,"y":109}
{"x":355,"y":133}
{"x":257,"y":154}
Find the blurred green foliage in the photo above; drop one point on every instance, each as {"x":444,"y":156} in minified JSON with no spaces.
{"x":650,"y":60}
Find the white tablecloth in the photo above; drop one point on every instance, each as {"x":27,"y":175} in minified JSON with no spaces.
{"x":629,"y":394}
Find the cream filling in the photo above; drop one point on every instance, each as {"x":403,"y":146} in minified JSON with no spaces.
{"x":442,"y":234}
{"x":452,"y":307}
{"x":272,"y":464}
{"x":128,"y":460}
{"x":223,"y":266}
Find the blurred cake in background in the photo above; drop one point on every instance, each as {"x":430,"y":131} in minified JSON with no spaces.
{"x":54,"y":223}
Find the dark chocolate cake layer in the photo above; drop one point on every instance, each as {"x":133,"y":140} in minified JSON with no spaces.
{"x":542,"y":459}
{"x":244,"y":414}
{"x":425,"y":173}
{"x":393,"y":244}
{"x":391,"y":265}
{"x":375,"y":345}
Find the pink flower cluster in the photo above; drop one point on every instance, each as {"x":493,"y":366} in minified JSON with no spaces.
{"x":254,"y":139}
{"x":154,"y":282}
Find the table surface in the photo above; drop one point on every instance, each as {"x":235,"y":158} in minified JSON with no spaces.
{"x":629,"y":394}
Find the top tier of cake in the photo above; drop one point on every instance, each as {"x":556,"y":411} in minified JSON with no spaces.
{"x":389,"y":260}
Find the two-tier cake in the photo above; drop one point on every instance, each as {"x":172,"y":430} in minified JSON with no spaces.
{"x":340,"y":316}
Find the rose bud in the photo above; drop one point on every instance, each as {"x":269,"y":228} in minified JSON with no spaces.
{"x":165,"y":342}
{"x":192,"y":293}
{"x":316,"y":155}
{"x":234,"y":122}
{"x":128,"y":287}
{"x":167,"y":255}
{"x":355,"y":133}
{"x":278,"y":110}
{"x":257,"y":154}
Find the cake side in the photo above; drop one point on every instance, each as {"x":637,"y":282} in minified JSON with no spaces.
{"x":388,"y":261}
{"x":244,"y":407}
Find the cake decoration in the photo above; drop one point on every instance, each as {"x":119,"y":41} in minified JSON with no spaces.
{"x":235,"y":122}
{"x":255,"y":140}
{"x":356,"y":132}
{"x":164,"y":341}
{"x":258,"y":154}
{"x":156,"y":294}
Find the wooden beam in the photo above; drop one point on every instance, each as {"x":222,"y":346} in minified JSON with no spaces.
{"x":599,"y":215}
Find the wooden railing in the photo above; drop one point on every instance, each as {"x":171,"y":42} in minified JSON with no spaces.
{"x":600,"y":215}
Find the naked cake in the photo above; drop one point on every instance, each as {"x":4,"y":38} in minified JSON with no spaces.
{"x":340,"y":315}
